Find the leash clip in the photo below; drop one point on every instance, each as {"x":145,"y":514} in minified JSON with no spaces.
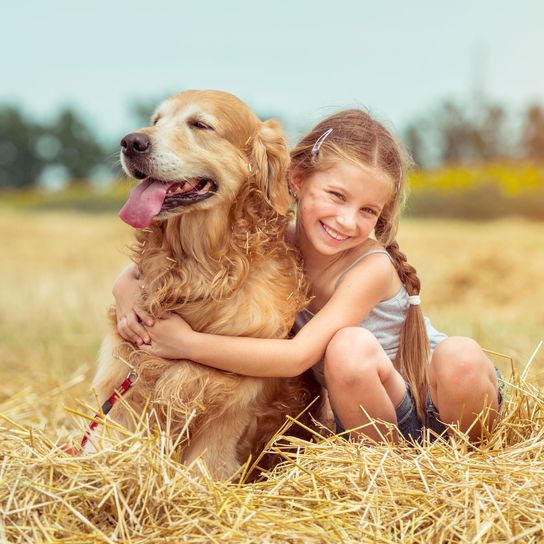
{"x":132,"y":376}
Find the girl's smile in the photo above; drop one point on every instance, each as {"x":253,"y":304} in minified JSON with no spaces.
{"x":333,"y":233}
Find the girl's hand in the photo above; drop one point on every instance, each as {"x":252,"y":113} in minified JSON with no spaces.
{"x":167,"y":337}
{"x":131,"y":316}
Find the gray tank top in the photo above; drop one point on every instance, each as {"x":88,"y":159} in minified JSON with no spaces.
{"x":384,"y":320}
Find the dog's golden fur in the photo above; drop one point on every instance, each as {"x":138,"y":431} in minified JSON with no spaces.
{"x":223,"y":265}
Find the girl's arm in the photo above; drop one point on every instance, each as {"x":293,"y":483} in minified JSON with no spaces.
{"x":130,"y":314}
{"x":360,"y":290}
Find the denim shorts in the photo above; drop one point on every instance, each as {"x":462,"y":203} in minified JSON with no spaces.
{"x":408,"y":422}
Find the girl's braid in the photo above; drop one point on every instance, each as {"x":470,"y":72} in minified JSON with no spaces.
{"x":414,"y":345}
{"x":407,"y":273}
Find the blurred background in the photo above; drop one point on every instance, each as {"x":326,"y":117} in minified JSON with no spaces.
{"x":461,"y":84}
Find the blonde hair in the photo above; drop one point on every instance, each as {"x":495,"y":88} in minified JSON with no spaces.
{"x":359,"y":138}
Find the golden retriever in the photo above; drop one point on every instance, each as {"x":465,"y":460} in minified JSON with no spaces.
{"x":210,"y":213}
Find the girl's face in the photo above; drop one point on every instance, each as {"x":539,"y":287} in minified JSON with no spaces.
{"x":338,"y":207}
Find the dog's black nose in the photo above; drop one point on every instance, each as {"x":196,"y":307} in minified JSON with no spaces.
{"x":135,"y":143}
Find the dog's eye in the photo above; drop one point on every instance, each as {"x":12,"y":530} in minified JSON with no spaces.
{"x":196,"y":123}
{"x":155,"y":120}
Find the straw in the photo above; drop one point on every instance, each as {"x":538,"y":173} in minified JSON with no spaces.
{"x":326,"y":490}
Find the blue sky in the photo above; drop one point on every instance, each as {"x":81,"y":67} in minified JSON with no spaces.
{"x":299,"y":59}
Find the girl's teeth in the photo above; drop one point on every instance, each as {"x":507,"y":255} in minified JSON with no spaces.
{"x":333,"y":234}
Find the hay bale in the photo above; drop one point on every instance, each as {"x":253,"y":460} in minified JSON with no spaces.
{"x":330,"y":490}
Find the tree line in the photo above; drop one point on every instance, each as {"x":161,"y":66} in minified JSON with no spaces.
{"x":477,"y":133}
{"x":451,"y":133}
{"x":66,"y":145}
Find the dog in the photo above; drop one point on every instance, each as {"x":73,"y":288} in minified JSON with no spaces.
{"x":210,"y":211}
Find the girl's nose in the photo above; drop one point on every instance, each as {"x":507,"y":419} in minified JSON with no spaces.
{"x":347,"y":219}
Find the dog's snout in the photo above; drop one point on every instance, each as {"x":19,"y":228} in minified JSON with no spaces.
{"x":135,"y":143}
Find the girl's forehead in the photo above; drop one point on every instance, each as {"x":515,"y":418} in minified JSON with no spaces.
{"x":352,"y":173}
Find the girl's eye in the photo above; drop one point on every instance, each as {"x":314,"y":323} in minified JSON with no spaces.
{"x":200,"y":125}
{"x":369,"y":210}
{"x":340,"y":196}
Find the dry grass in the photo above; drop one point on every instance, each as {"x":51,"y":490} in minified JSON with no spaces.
{"x":482,"y":280}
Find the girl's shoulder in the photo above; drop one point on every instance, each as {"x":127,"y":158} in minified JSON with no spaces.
{"x":370,"y":247}
{"x":383,"y":264}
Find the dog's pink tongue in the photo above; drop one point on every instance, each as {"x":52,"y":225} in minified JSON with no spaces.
{"x":144,"y":203}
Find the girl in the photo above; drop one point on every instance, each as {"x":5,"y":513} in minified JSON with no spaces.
{"x":386,"y":369}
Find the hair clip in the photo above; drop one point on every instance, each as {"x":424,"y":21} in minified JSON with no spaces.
{"x":414,"y":300}
{"x":319,"y":142}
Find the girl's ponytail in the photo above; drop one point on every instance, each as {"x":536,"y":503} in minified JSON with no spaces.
{"x":414,"y":350}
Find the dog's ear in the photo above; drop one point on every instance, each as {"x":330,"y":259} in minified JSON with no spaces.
{"x":269,"y":163}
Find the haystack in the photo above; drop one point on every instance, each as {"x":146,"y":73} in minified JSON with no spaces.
{"x":326,"y":490}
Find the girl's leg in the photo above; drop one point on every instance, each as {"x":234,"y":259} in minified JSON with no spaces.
{"x":359,"y":373}
{"x":463,"y":383}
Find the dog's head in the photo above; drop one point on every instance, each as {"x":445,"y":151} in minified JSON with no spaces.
{"x":201,"y":147}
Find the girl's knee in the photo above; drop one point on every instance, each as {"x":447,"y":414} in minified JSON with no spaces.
{"x":352,"y":354}
{"x":459,"y":360}
{"x":350,"y":342}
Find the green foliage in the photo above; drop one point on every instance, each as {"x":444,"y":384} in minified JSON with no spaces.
{"x":64,"y":149}
{"x":78,"y":149}
{"x":19,"y":165}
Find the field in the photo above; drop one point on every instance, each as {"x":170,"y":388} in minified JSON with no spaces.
{"x":481,"y":279}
